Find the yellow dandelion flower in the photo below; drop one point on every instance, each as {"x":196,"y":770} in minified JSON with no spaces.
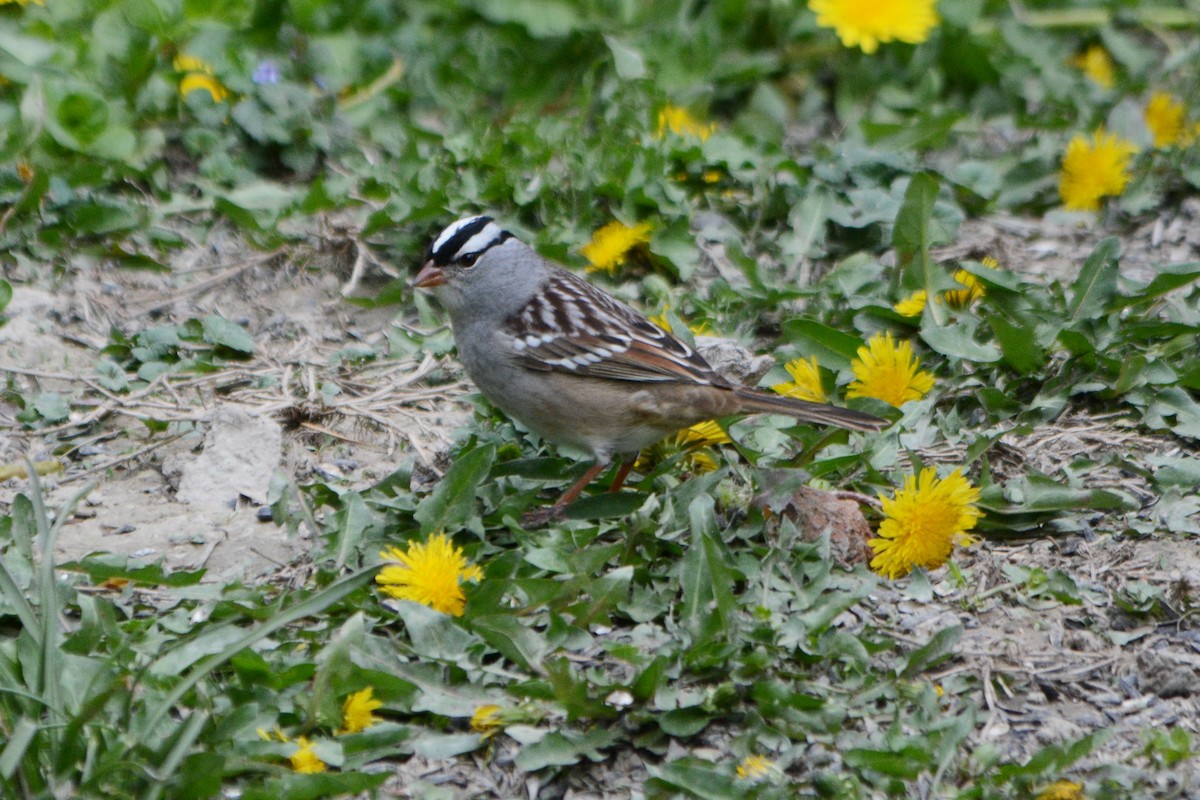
{"x":431,"y":574}
{"x":679,"y":121}
{"x":923,"y":522}
{"x":22,"y":2}
{"x":611,"y":244}
{"x":1097,"y":64}
{"x":754,"y":768}
{"x":700,"y":462}
{"x":661,"y":321}
{"x":273,"y":735}
{"x":698,"y":437}
{"x":357,"y":711}
{"x":702,"y":434}
{"x":961,"y":298}
{"x":1062,"y":790}
{"x":1094,"y":170}
{"x":805,"y":383}
{"x":889,"y":372}
{"x":185,"y":63}
{"x":25,"y":172}
{"x":304,"y":759}
{"x":913,"y":305}
{"x":199,"y":82}
{"x":711,"y":176}
{"x":867,"y":23}
{"x":486,"y":720}
{"x":1165,"y":117}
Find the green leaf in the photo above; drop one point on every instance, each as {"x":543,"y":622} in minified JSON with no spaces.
{"x":445,"y":745}
{"x":699,"y":779}
{"x":19,"y":738}
{"x":51,"y":406}
{"x":957,"y":342}
{"x":1182,"y":471}
{"x":231,"y":13}
{"x":1169,"y":277}
{"x":912,"y":240}
{"x":684,"y":722}
{"x":79,"y":117}
{"x":937,"y":649}
{"x":104,"y":566}
{"x":434,"y":635}
{"x":705,"y":576}
{"x":564,"y":749}
{"x":541,"y":18}
{"x":1096,"y":285}
{"x":1018,"y":344}
{"x":6,"y":293}
{"x":604,"y":594}
{"x":833,"y":348}
{"x":1038,"y":493}
{"x":929,"y":130}
{"x":220,"y":331}
{"x":804,"y":236}
{"x":349,"y":525}
{"x":433,"y":693}
{"x":515,"y":642}
{"x":316,"y":786}
{"x":101,"y":217}
{"x":628,"y":61}
{"x":1176,"y":410}
{"x":908,"y":762}
{"x":451,"y":505}
{"x":605,"y":506}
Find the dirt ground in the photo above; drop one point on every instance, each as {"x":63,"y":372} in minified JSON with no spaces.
{"x":191,"y":497}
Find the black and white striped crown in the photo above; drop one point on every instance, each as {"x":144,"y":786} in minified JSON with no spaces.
{"x":464,"y":241}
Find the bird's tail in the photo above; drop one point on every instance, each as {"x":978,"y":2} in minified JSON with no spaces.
{"x":762,"y":403}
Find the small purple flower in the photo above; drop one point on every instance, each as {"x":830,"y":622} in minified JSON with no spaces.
{"x":265,"y":72}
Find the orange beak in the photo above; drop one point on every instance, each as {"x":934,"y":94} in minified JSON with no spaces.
{"x":430,"y":275}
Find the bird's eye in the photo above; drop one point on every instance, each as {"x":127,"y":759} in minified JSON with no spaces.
{"x":469,"y":259}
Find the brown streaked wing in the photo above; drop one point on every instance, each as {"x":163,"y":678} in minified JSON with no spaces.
{"x":573,"y":327}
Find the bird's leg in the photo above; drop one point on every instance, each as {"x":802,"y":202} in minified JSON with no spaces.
{"x":570,"y":494}
{"x":623,"y":473}
{"x":540,"y":516}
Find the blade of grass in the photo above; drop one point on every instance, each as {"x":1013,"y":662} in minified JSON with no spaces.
{"x":16,"y":598}
{"x":187,"y":737}
{"x":18,"y":742}
{"x":49,"y":680}
{"x":912,"y":238}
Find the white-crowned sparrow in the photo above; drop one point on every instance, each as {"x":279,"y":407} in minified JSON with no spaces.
{"x":574,"y":364}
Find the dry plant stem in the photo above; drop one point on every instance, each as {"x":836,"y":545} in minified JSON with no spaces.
{"x":312,"y":426}
{"x":37,"y":373}
{"x":199,"y":287}
{"x":356,"y":272}
{"x":8,"y":471}
{"x":858,"y":497}
{"x":121,"y":460}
